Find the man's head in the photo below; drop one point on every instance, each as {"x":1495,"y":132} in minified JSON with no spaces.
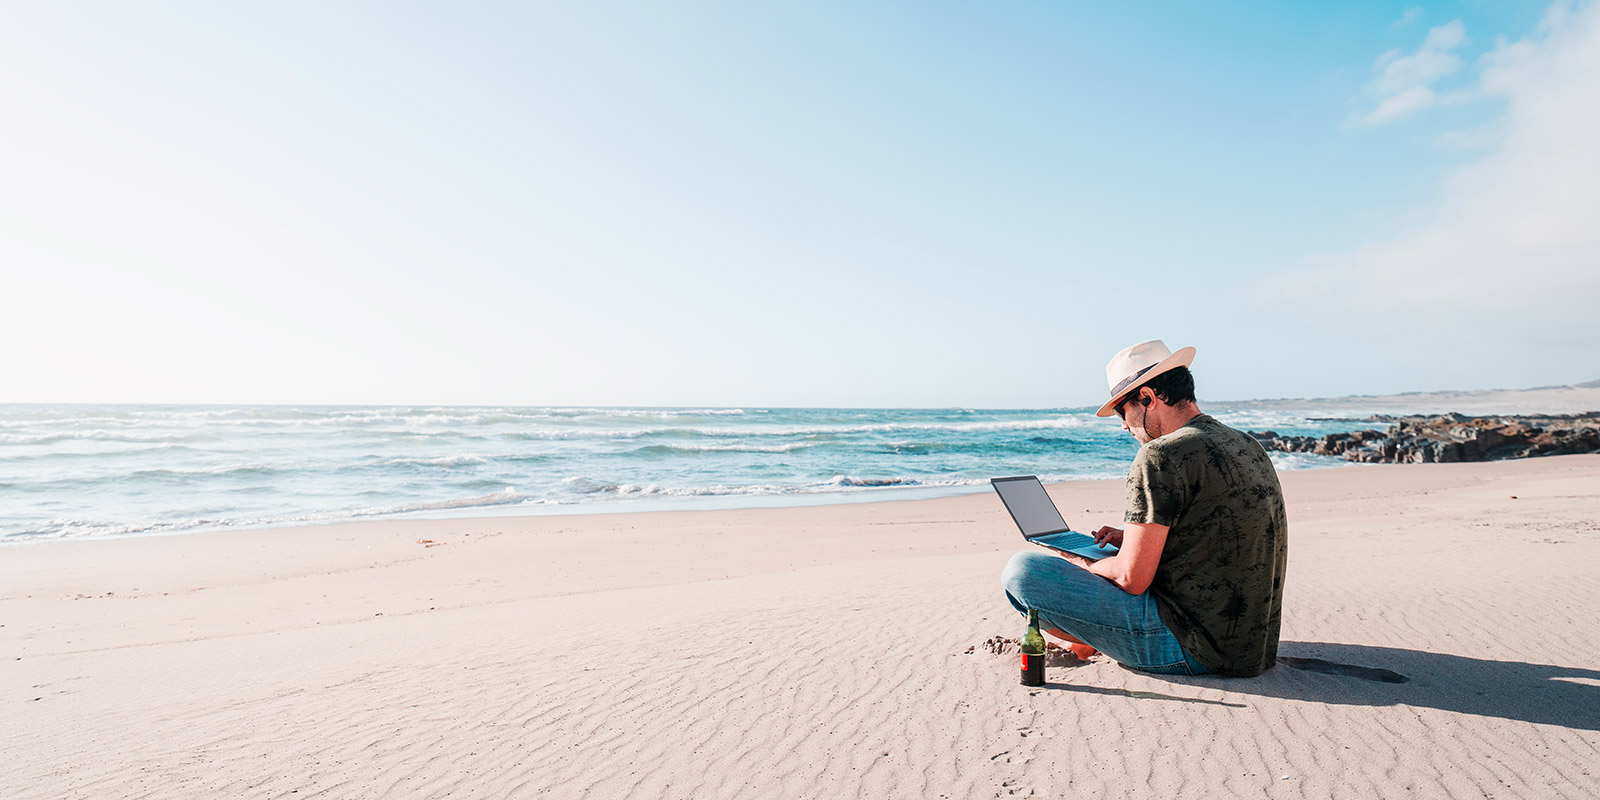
{"x":1152,"y":389}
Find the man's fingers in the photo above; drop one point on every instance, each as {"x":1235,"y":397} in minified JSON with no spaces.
{"x":1108,"y":534}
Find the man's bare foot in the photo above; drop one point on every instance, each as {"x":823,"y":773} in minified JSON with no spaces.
{"x":1079,"y":649}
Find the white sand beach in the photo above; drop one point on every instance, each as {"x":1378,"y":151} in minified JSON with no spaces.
{"x":831,"y":651}
{"x":584,"y":401}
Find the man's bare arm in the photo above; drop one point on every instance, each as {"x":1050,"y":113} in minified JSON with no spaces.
{"x":1133,"y":568}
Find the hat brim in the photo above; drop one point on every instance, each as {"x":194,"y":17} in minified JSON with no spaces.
{"x":1182,"y":358}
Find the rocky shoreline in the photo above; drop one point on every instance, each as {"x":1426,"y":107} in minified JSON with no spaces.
{"x":1451,"y":437}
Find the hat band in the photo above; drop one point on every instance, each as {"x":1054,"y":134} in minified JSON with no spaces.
{"x":1128,"y":381}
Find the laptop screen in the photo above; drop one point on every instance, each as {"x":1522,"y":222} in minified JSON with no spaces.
{"x":1029,"y":505}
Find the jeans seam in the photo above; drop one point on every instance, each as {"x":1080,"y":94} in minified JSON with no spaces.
{"x":1117,"y":630}
{"x":1169,"y":668}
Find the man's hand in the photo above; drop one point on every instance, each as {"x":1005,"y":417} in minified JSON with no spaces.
{"x":1108,"y":535}
{"x":1074,"y":558}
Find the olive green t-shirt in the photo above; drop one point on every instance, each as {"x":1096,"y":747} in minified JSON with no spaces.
{"x":1219,"y":586}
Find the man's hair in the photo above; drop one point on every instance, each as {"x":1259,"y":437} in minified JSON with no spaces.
{"x":1174,"y":386}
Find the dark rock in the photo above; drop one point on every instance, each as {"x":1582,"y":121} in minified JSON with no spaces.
{"x":1452,"y":438}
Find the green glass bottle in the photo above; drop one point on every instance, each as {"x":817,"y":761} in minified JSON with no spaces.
{"x":1033,"y":652}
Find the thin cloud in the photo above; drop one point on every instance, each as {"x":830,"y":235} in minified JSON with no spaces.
{"x":1405,"y":83}
{"x":1511,"y":258}
{"x":1412,"y":15}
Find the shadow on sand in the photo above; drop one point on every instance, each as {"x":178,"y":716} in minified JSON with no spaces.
{"x":1080,"y":689}
{"x":1349,"y":674}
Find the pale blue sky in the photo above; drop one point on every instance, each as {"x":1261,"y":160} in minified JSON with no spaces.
{"x":916,"y":204}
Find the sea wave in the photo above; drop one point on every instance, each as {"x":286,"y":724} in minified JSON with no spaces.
{"x":79,"y":527}
{"x":111,"y":450}
{"x":649,"y":412}
{"x":794,"y":431}
{"x":910,"y":448}
{"x":900,"y":427}
{"x":698,"y":449}
{"x":76,"y":527}
{"x":503,"y":497}
{"x":1288,"y":462}
{"x":584,"y":485}
{"x":94,"y":435}
{"x":559,"y":435}
{"x":212,"y":471}
{"x":461,"y":460}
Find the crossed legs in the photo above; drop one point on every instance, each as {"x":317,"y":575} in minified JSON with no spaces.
{"x":1078,"y":606}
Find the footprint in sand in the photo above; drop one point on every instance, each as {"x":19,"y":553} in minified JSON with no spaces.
{"x":1006,"y":646}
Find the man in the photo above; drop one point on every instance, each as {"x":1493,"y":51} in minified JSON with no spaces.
{"x":1197,"y":583}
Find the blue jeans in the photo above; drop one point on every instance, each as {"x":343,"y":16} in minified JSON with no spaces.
{"x":1126,"y":627}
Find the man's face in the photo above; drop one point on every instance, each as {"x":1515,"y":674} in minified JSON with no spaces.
{"x":1133,"y":416}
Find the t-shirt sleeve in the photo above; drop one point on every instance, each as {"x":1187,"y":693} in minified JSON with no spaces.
{"x":1155,"y":493}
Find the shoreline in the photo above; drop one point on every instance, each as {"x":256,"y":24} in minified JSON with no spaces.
{"x":665,"y":505}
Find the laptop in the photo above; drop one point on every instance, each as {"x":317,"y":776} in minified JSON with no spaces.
{"x":1039,"y":520}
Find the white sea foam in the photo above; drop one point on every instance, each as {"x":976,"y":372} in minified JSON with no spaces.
{"x":585,"y":485}
{"x":506,"y":496}
{"x":936,"y":427}
{"x":219,"y":469}
{"x":656,"y":413}
{"x":66,"y":528}
{"x":86,"y":449}
{"x":667,"y":449}
{"x":1285,"y":462}
{"x":789,"y":431}
{"x":441,"y":461}
{"x":92,"y":435}
{"x":593,"y":434}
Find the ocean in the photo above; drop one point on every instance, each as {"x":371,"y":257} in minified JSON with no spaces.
{"x":74,"y":471}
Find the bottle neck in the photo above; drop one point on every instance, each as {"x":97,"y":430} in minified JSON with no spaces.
{"x":1033,"y":618}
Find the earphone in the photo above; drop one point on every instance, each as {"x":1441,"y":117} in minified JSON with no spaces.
{"x":1143,"y":401}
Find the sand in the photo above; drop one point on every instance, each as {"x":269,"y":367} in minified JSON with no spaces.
{"x":1481,"y":402}
{"x":819,"y":652}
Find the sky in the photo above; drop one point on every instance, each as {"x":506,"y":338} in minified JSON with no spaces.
{"x":922,"y":204}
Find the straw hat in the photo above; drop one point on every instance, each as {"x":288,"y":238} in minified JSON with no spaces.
{"x":1137,"y":365}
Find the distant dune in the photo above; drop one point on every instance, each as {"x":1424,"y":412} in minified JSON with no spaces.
{"x":1540,"y":400}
